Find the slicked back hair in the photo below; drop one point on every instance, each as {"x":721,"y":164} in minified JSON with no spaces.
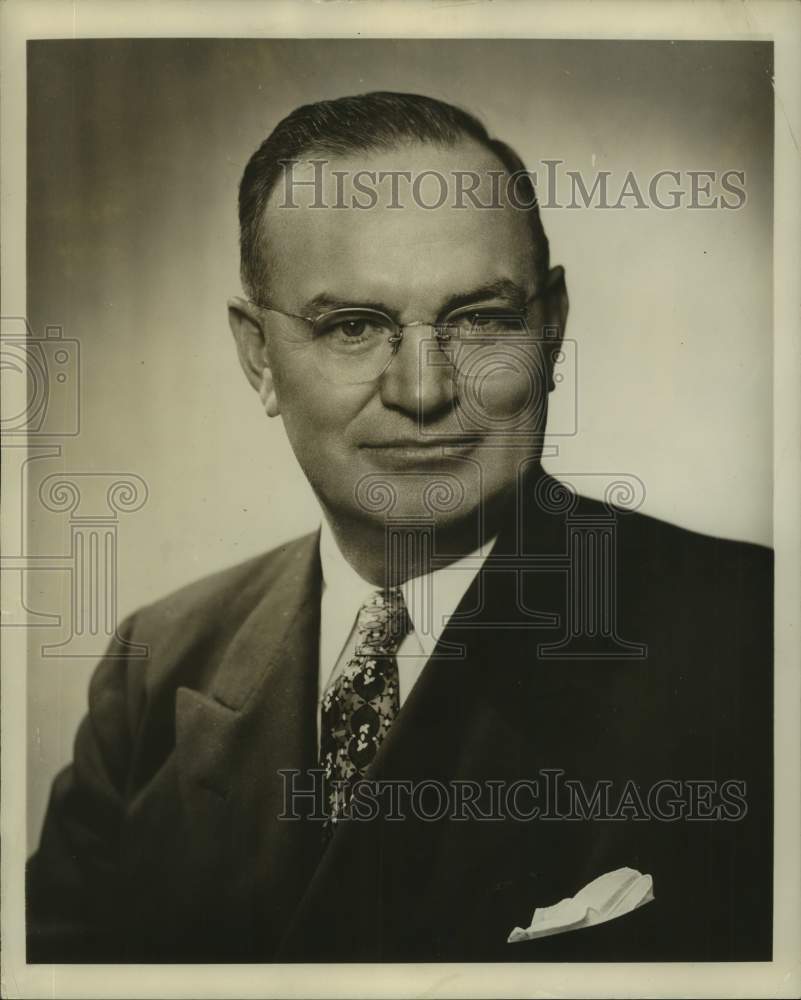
{"x":381,"y":120}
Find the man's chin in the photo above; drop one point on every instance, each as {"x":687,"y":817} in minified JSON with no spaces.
{"x":461,"y":506}
{"x":436,"y":499}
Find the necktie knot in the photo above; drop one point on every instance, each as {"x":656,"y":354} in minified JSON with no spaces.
{"x":383,"y":622}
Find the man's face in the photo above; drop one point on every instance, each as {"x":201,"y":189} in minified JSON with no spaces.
{"x":376,"y":448}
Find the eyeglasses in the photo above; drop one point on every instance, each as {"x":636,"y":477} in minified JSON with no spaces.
{"x":353,"y":345}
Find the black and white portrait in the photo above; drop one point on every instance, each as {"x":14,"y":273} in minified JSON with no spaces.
{"x":396,"y":541}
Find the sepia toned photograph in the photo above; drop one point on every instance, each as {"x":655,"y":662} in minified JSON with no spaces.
{"x":395,"y":547}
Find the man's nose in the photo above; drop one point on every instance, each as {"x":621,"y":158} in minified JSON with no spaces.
{"x":419,"y":379}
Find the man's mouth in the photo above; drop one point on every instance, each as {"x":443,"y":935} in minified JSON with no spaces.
{"x":429,"y":441}
{"x":420,"y":449}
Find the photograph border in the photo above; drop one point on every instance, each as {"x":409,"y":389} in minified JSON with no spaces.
{"x":21,"y":20}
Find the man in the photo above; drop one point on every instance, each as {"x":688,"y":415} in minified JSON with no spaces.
{"x":587,"y":690}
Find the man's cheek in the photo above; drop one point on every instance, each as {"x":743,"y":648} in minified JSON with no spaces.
{"x":509,"y":394}
{"x":510,"y":391}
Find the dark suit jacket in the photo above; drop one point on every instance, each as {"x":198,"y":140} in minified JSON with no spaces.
{"x":162,"y":843}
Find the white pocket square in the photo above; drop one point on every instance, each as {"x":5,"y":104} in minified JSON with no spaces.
{"x":603,"y":899}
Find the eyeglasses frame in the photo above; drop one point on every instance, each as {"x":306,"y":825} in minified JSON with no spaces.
{"x":396,"y":338}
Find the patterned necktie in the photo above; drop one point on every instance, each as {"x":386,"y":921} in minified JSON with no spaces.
{"x":360,"y":704}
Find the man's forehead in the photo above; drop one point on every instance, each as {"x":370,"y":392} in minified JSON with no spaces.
{"x":402,"y":211}
{"x":408,"y":174}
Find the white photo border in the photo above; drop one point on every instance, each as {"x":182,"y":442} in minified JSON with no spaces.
{"x":780,"y":22}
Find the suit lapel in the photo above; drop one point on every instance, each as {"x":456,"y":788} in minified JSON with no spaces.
{"x":230,"y":745}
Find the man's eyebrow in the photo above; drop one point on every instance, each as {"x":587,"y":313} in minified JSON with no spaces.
{"x":325,"y":302}
{"x":502,"y":288}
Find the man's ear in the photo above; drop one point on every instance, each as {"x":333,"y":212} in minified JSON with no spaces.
{"x":245,"y":323}
{"x":555,"y":317}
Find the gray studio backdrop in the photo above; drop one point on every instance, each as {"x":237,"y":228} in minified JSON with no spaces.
{"x":135,"y":149}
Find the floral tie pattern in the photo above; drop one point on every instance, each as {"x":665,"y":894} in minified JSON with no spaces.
{"x":360,"y":704}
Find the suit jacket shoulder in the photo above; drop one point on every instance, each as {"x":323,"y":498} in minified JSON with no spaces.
{"x":675,"y":574}
{"x":204,"y":616}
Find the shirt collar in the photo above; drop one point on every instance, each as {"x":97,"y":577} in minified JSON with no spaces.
{"x":430,"y":599}
{"x":344,"y":592}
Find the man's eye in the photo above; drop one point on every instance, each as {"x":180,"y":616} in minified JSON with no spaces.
{"x":351,"y":333}
{"x":353,"y":327}
{"x":345,"y":327}
{"x":356,"y":330}
{"x":495,"y":322}
{"x":481,"y":319}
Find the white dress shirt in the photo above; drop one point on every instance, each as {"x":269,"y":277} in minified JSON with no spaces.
{"x":430,"y":600}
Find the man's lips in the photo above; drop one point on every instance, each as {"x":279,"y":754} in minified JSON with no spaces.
{"x":418,"y":444}
{"x":413,"y":453}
